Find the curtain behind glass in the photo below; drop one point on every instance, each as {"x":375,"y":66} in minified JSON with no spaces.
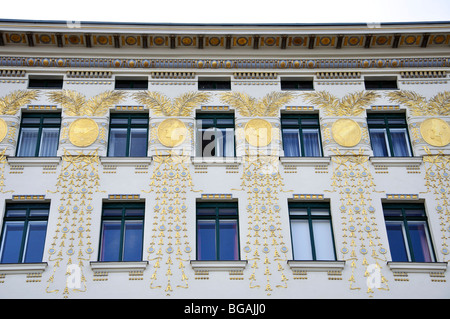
{"x":138,"y":142}
{"x":291,"y":142}
{"x":311,"y":142}
{"x":49,"y":141}
{"x":28,"y":141}
{"x":118,"y":142}
{"x":400,"y":143}
{"x":379,"y":142}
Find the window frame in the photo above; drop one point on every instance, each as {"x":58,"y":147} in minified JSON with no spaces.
{"x":310,"y":218}
{"x":404,"y":219}
{"x":26,"y":220}
{"x":296,"y":82}
{"x":131,"y":82}
{"x":214,"y":84}
{"x":214,"y":117}
{"x":122,"y":218}
{"x":217,"y":218}
{"x":45,"y":83}
{"x":128,"y":126}
{"x":300,"y":128}
{"x":40,"y":126}
{"x":388,"y":127}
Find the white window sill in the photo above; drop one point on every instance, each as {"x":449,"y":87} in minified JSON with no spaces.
{"x":218,"y":265}
{"x":305,"y":161}
{"x":319,"y":265}
{"x":25,"y":268}
{"x":413,"y":267}
{"x":216,"y":161}
{"x":118,"y":266}
{"x":125,"y":161}
{"x":34,"y":161}
{"x":396,"y":161}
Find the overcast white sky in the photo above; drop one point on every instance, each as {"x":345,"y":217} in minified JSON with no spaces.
{"x":229,"y":11}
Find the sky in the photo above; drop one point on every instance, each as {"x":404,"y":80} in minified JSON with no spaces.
{"x":229,"y":11}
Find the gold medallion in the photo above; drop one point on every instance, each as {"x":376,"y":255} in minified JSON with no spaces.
{"x":258,"y":132}
{"x":172,"y":132}
{"x":83,"y":132}
{"x":3,"y":129}
{"x":435,"y":132}
{"x":346,"y":132}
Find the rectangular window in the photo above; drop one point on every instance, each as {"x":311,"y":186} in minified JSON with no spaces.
{"x":380,"y":83}
{"x":389,"y":135}
{"x":23,"y":233}
{"x":39,"y":134}
{"x":215,"y":135}
{"x":122,"y":232}
{"x":131,"y":83}
{"x":301,"y":135}
{"x":311,"y":231}
{"x":217,"y":231}
{"x":128,"y":135}
{"x":46,"y":82}
{"x":296,"y":84}
{"x":214,"y":84}
{"x":408,"y":234}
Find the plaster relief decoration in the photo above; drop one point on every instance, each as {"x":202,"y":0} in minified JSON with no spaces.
{"x":361,"y":246}
{"x":85,"y":121}
{"x":428,"y":121}
{"x":344,"y":123}
{"x":71,"y":246}
{"x":265,"y":247}
{"x":10,"y":105}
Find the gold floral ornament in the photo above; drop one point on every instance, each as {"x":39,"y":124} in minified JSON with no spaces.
{"x":76,"y":104}
{"x":246,"y":105}
{"x":11,"y":103}
{"x":172,"y":132}
{"x":419,"y":105}
{"x":352,"y":104}
{"x":161,"y":105}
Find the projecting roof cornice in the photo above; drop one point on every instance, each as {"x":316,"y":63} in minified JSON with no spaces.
{"x":263,"y":37}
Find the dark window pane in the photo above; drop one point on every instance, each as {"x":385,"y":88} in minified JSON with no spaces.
{"x":12,"y":241}
{"x":419,"y":241}
{"x":228,"y":240}
{"x":206,"y":240}
{"x":110,"y":241}
{"x":297,"y":85}
{"x":206,"y":211}
{"x":16,"y":213}
{"x":35,"y":241}
{"x":132,"y":246}
{"x":214,"y":85}
{"x":228,"y":211}
{"x":395,"y":231}
{"x":135,"y":212}
{"x":45,"y":83}
{"x":380,"y":84}
{"x":112,"y":212}
{"x":131,"y":84}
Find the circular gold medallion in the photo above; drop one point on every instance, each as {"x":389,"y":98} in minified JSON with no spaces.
{"x":346,"y":132}
{"x":83,"y":132}
{"x":172,"y":132}
{"x":258,"y":132}
{"x":3,"y":129}
{"x":435,"y":132}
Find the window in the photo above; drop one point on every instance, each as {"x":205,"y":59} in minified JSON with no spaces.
{"x":311,"y":231}
{"x":215,"y":135}
{"x":213,"y":84}
{"x":217,"y":231}
{"x":380,"y":83}
{"x":297,"y":84}
{"x":408,"y":234}
{"x":301,"y":135}
{"x":389,"y":135}
{"x":122,"y":232}
{"x":23,"y":233}
{"x":128,"y":135}
{"x":39,"y":134}
{"x":131,"y":84}
{"x":45,"y":82}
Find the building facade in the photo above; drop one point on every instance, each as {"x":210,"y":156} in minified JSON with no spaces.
{"x":224,"y":161}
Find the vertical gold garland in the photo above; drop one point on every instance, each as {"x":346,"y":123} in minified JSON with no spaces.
{"x":71,"y":244}
{"x":169,"y":241}
{"x":265,"y":243}
{"x":355,"y":184}
{"x":3,"y":162}
{"x":437,"y":181}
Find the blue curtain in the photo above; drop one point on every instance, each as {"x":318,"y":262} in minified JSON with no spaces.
{"x":379,"y":142}
{"x":400,"y":143}
{"x":311,"y":142}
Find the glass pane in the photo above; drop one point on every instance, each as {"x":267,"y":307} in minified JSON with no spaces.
{"x":110,"y":244}
{"x":400,"y":143}
{"x":52,"y":120}
{"x":207,"y":142}
{"x":228,"y":240}
{"x":16,"y":213}
{"x":119,"y":121}
{"x":392,"y":211}
{"x":225,"y":142}
{"x":375,"y":121}
{"x":138,"y":142}
{"x":49,"y":141}
{"x":314,"y":121}
{"x":39,"y":212}
{"x":206,"y":240}
{"x":379,"y":141}
{"x":11,"y":242}
{"x":289,"y":121}
{"x":323,"y":240}
{"x":298,"y":211}
{"x":225,"y":122}
{"x":396,"y":237}
{"x":291,"y":142}
{"x":311,"y":142}
{"x":118,"y":142}
{"x":28,"y":141}
{"x":228,"y":211}
{"x":143,"y":121}
{"x":132,"y":246}
{"x":135,"y":212}
{"x":420,"y":241}
{"x":112,"y":212}
{"x":320,"y":211}
{"x":31,"y":120}
{"x":207,"y":211}
{"x":301,"y":240}
{"x":414,"y":212}
{"x":397,"y":121}
{"x":34,"y":246}
{"x":205,"y":122}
